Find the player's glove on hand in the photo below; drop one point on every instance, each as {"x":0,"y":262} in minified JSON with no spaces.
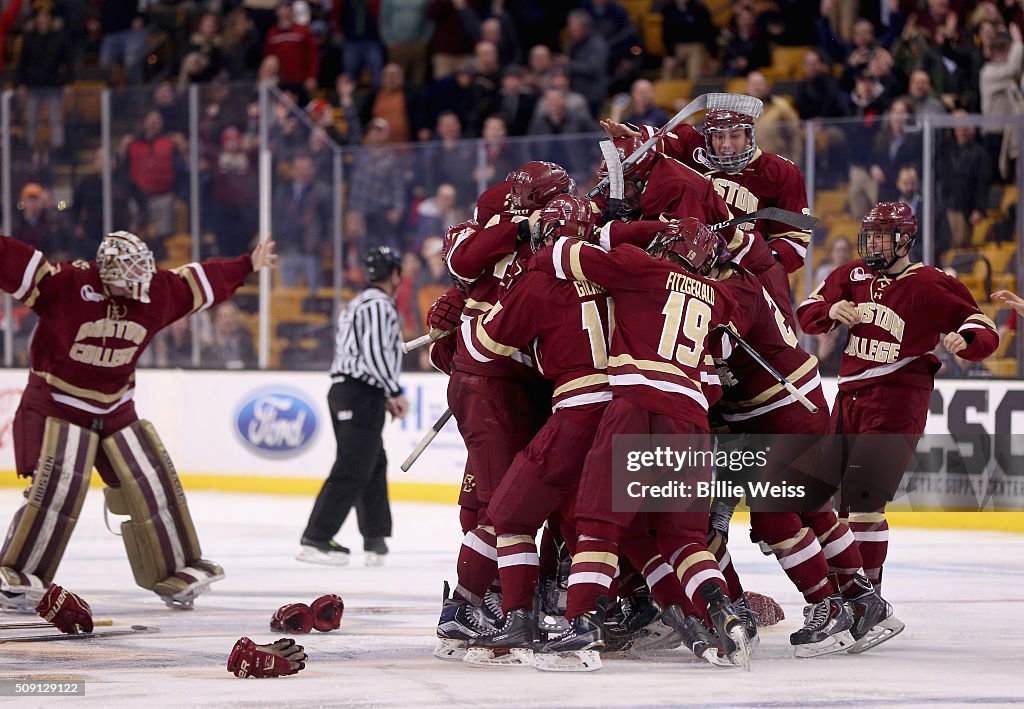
{"x":446,"y":312}
{"x":66,"y":610}
{"x":766,"y":611}
{"x":277,"y":659}
{"x":293,"y":618}
{"x":528,"y":228}
{"x":327,"y":612}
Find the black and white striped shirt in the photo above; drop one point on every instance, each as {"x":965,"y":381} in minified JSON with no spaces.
{"x":369,"y":342}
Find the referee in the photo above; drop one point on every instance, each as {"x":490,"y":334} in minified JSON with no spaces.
{"x":365,"y":374}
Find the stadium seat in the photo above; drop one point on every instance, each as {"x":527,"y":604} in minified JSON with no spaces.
{"x":651,"y":28}
{"x":1002,"y":367}
{"x":666,"y":91}
{"x":788,"y":62}
{"x":638,"y":10}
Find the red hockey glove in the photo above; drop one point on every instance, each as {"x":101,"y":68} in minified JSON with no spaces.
{"x":446,"y":312}
{"x":293,"y":618}
{"x":66,"y":610}
{"x":766,"y":611}
{"x":277,"y":659}
{"x":327,"y":612}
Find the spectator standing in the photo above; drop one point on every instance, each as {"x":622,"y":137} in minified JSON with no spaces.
{"x":778,"y":126}
{"x":234,"y":187}
{"x":34,"y":225}
{"x":688,"y":36}
{"x":44,"y":70}
{"x":963,"y":182}
{"x":587,"y":60}
{"x":357,"y":22}
{"x":1001,"y":95}
{"x":518,"y":101}
{"x":7,"y":19}
{"x":746,"y":48}
{"x":406,"y":31}
{"x":452,"y":41}
{"x":125,"y":35}
{"x":376,"y":197}
{"x":203,"y":57}
{"x":898,"y":145}
{"x":919,"y":91}
{"x":231,"y":345}
{"x":302,"y":214}
{"x":365,"y":387}
{"x":818,"y":95}
{"x":296,"y":50}
{"x":127,"y":201}
{"x":154,"y":159}
{"x":242,"y":50}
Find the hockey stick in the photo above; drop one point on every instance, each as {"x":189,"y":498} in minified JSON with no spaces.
{"x":774,"y":214}
{"x":432,"y":336}
{"x":135,"y":630}
{"x":422,"y":445}
{"x":43,"y":624}
{"x":776,"y":375}
{"x":740,"y":103}
{"x":616,"y":182}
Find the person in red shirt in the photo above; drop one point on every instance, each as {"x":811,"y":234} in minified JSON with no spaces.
{"x":95,"y":320}
{"x":896,"y":312}
{"x":297,"y":52}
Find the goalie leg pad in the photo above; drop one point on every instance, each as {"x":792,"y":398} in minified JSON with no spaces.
{"x":160,"y":539}
{"x":41,"y":529}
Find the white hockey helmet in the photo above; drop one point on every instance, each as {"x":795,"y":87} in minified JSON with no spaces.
{"x":125,"y":261}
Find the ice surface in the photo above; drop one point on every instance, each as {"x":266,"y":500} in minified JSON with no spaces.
{"x":961,"y":595}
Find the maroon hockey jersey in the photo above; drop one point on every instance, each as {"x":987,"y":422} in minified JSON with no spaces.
{"x":565,"y":326}
{"x":749,"y":391}
{"x":662,"y":317}
{"x":902,"y":319}
{"x":86,"y":344}
{"x":768,"y":180}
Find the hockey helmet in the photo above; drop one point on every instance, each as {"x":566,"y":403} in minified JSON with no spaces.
{"x":690,"y":244}
{"x":125,"y":261}
{"x":566,"y":216}
{"x":729,"y":158}
{"x":887,"y":232}
{"x":535,"y":183}
{"x":380,"y":262}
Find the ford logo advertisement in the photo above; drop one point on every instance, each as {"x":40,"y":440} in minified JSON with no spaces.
{"x":276,"y":422}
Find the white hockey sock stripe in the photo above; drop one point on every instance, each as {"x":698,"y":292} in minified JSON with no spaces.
{"x":474,"y":542}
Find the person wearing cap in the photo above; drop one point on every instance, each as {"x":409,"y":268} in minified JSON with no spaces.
{"x":365,"y":387}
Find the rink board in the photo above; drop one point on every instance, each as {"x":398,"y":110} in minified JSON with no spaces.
{"x":270,"y":432}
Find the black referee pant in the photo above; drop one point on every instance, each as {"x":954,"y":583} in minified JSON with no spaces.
{"x":359,"y":475}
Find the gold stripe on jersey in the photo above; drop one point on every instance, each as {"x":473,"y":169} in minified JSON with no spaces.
{"x":58,"y":383}
{"x":581,"y":383}
{"x":188,"y":275}
{"x":479,"y":304}
{"x":981,"y":319}
{"x":910,"y":269}
{"x":796,"y":375}
{"x":650,"y":365}
{"x":490,"y":344}
{"x":575,"y":267}
{"x":44,"y":270}
{"x":595,"y":557}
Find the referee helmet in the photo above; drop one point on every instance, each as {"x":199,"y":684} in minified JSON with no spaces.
{"x":380,"y":262}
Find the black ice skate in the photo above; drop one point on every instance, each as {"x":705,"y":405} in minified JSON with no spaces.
{"x":692,"y":633}
{"x":826,"y":628}
{"x":579,"y":648}
{"x":636,"y":612}
{"x":458,"y":625}
{"x":873,"y":621}
{"x":376,"y":549}
{"x":730,"y":628}
{"x":511,"y":645}
{"x":749,"y":621}
{"x":316,"y":551}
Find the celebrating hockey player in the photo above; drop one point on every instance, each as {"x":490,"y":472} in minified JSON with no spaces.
{"x":78,"y":410}
{"x":896,"y":312}
{"x":659,"y":370}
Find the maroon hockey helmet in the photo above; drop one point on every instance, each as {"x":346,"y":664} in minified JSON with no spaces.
{"x":887,"y":232}
{"x":626,"y":146}
{"x":567,"y":216}
{"x":690,"y":244}
{"x":722,"y":121}
{"x":535,"y":183}
{"x":454,"y":234}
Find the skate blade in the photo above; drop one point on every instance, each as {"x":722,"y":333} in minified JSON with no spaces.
{"x":449,"y":649}
{"x":886,"y":630}
{"x":576,"y":661}
{"x":315,"y":556}
{"x":184,"y":600}
{"x":374,"y":559}
{"x":499,"y":657}
{"x":740,"y":657}
{"x":828,"y":646}
{"x":660,"y":637}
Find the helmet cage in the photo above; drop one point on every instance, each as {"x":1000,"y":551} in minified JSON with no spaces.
{"x":125,"y":261}
{"x":723,"y":121}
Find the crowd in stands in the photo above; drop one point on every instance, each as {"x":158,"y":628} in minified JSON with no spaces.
{"x":401,"y":85}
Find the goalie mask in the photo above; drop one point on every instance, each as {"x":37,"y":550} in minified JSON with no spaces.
{"x":535,"y":183}
{"x":124,"y":261}
{"x":566,"y":216}
{"x":730,"y":141}
{"x":887,"y":232}
{"x":690,"y":244}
